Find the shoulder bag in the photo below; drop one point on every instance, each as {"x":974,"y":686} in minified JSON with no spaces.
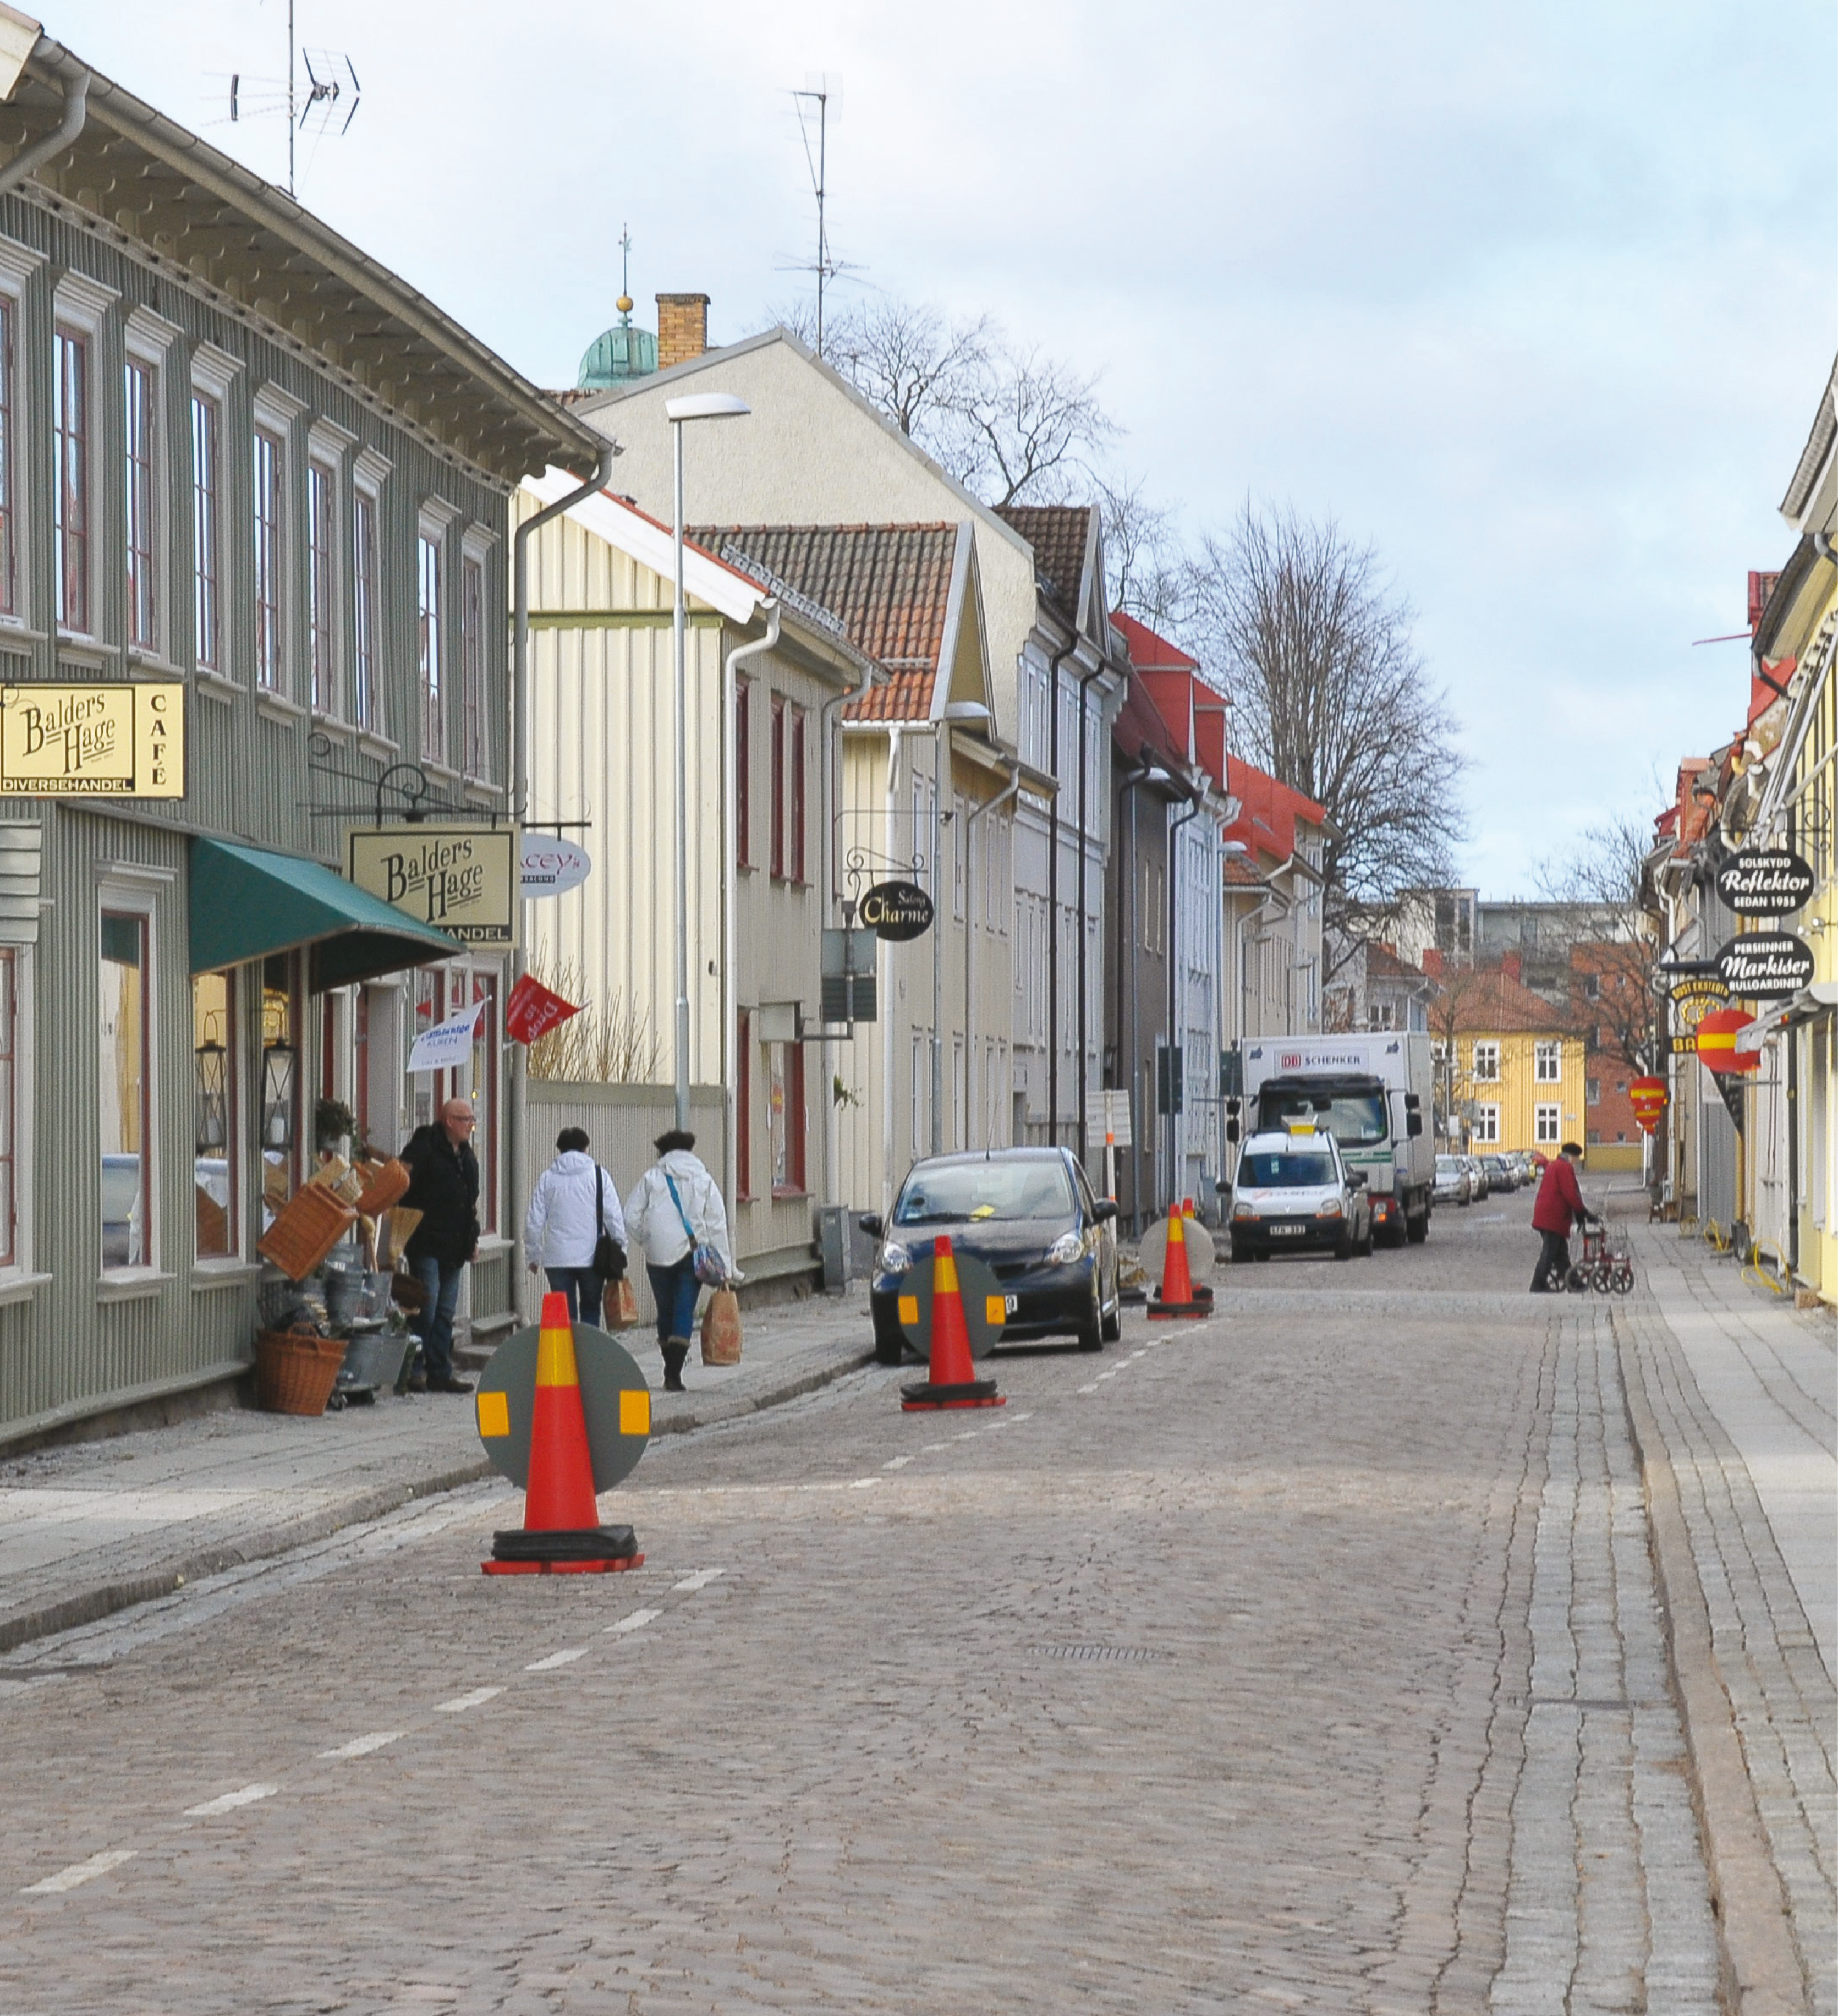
{"x":609,"y":1254}
{"x":710,"y":1270}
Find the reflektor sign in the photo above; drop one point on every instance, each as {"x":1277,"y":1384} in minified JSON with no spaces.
{"x":1766,"y":966}
{"x":896,"y":911}
{"x":1764,"y":882}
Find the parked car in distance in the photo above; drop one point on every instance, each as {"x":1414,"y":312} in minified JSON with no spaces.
{"x":1294,"y":1194}
{"x":1031,"y":1216}
{"x":1478,"y":1186}
{"x":1452,"y":1184}
{"x":1501,"y":1174}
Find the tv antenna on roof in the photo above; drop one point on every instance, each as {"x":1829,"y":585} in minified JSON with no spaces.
{"x":824,"y":93}
{"x":324,"y":89}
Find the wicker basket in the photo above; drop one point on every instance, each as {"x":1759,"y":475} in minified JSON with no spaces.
{"x":312,"y":1223}
{"x":295,"y":1372}
{"x":385,"y":1183}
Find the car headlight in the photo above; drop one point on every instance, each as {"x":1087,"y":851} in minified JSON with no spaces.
{"x":1243,"y":1210}
{"x":1332,"y":1208}
{"x":1069,"y":1247}
{"x":895,"y":1259}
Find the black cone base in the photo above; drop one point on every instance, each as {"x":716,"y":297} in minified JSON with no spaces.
{"x":588,"y":1543}
{"x":971,"y":1393}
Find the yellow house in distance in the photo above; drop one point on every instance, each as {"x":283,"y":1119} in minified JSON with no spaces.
{"x":1515,"y":1070}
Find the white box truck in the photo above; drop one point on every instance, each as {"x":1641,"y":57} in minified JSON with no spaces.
{"x":1374,"y":1094}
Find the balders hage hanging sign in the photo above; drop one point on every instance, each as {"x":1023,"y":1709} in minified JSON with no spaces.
{"x":462,"y":879}
{"x":113,"y":738}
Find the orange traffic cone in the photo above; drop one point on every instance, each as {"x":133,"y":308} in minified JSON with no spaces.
{"x":1177,"y":1296}
{"x":952,"y":1381}
{"x":562,"y":1533}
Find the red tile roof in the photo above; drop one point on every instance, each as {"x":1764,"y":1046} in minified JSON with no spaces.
{"x":1486,"y":999}
{"x":1149,"y":652}
{"x":1266,"y":824}
{"x":1060,"y":535}
{"x":888,"y":586}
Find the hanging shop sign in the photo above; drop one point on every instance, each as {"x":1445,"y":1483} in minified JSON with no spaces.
{"x":552,"y":866}
{"x":462,"y":879}
{"x":1764,"y":882}
{"x":1766,"y":966}
{"x":1716,"y":1041}
{"x":1648,"y":1097}
{"x":113,"y":739}
{"x":897,"y":911}
{"x":1696,"y":994}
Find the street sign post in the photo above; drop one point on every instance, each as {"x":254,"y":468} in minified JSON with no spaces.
{"x":1107,"y":1118}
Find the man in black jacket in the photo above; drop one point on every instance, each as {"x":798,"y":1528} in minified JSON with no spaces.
{"x":443,"y":1187}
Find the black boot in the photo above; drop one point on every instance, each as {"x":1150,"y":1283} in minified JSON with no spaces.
{"x":676,"y":1351}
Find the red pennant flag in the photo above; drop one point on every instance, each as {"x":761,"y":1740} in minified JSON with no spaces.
{"x":530,"y":1010}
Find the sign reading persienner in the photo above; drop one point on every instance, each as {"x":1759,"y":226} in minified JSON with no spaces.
{"x":115,"y":739}
{"x":462,"y":879}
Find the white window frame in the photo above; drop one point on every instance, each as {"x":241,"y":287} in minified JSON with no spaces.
{"x":476,"y":546}
{"x":434,"y":524}
{"x":1486,"y":1063}
{"x":212,"y":372}
{"x":82,"y":305}
{"x":1548,"y":1051}
{"x":147,"y":340}
{"x":1547,"y":1125}
{"x":17,"y":1278}
{"x":136,"y":895}
{"x":17,"y":269}
{"x":1486,"y":1124}
{"x":274,"y":414}
{"x":369,"y":471}
{"x":324,"y":681}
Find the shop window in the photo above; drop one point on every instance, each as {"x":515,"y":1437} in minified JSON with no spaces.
{"x":1548,"y":1063}
{"x":1486,"y":1063}
{"x":743,"y":1106}
{"x":427,"y":1090}
{"x":141,"y":418}
{"x":281,"y":1133}
{"x":9,"y":527}
{"x":216,"y":1160}
{"x":364,"y":709}
{"x":1544,"y":1125}
{"x":484,"y":1095}
{"x":321,"y":582}
{"x":427,"y":574}
{"x":206,"y":529}
{"x":70,"y":433}
{"x":9,"y":1106}
{"x":785,"y":1113}
{"x":742,"y":774}
{"x":125,"y":1108}
{"x":472,"y":662}
{"x":269,"y":474}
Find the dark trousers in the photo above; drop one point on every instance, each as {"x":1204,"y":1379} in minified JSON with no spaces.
{"x":674,"y":1290}
{"x":1553,"y":1263}
{"x":583,"y":1288}
{"x":434,"y":1325}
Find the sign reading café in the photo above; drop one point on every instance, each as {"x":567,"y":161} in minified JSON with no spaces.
{"x":113,"y":738}
{"x":463,"y":880}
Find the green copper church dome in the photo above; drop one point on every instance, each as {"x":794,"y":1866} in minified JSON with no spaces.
{"x":618,"y":354}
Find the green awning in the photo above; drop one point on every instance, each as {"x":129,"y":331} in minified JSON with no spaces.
{"x":247,"y":902}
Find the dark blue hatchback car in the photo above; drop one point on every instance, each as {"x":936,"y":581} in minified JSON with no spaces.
{"x":1031,"y":1216}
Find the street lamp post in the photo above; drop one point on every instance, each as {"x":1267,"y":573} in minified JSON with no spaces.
{"x":695,"y":406}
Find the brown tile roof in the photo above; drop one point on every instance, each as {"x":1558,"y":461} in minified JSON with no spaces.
{"x":888,"y":586}
{"x":573,"y":395}
{"x":1059,"y":535}
{"x":1382,"y":963}
{"x":1488,"y":998}
{"x":1240,"y":873}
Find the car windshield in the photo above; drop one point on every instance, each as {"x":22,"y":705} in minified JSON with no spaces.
{"x":1352,"y":1118}
{"x":1447,"y":1165}
{"x":1281,"y":1171}
{"x":946,"y":1192}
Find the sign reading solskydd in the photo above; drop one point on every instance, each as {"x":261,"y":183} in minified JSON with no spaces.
{"x":1766,"y":966}
{"x":897,"y":911}
{"x":1764,"y":882}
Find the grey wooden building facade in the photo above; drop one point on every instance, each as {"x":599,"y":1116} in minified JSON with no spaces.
{"x":240,"y":460}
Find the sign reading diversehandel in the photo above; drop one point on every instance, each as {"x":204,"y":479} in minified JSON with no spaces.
{"x":113,"y":738}
{"x":462,"y":879}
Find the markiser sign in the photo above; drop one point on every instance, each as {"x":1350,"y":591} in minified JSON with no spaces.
{"x":1764,"y":882}
{"x":896,"y":911}
{"x":1766,"y":966}
{"x":462,"y":879}
{"x":116,"y":738}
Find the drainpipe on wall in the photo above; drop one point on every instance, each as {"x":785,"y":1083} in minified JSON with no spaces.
{"x":884,"y":989}
{"x":514,"y":1186}
{"x":826,"y":737}
{"x":989,"y":805}
{"x":1059,"y":658}
{"x":76,"y":113}
{"x":1084,"y":933}
{"x":1174,"y":1128}
{"x":730,"y":883}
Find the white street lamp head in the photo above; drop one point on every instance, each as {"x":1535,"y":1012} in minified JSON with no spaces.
{"x":705,"y":406}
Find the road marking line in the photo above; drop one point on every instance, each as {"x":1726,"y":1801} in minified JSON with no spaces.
{"x":1010,"y":1421}
{"x":898,"y":1463}
{"x":361,"y":1746}
{"x":928,"y":1449}
{"x":1092,"y":1389}
{"x":460,"y":1703}
{"x":700,"y":1579}
{"x":862,"y":1483}
{"x":965,"y":1436}
{"x":637,"y":1620}
{"x":228,"y":1802}
{"x":81,"y":1872}
{"x":555,"y":1659}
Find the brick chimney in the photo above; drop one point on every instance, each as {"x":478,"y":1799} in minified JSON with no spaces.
{"x":682,"y":327}
{"x":1510,"y":967}
{"x":1433,"y":962}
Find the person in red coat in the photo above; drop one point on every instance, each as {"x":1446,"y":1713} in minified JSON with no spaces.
{"x":1559,"y":1206}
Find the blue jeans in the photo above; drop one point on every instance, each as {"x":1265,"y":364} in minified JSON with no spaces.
{"x":674,"y":1290}
{"x":434,"y":1325}
{"x":583,"y":1288}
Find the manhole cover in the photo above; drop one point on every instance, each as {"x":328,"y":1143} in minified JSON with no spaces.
{"x":1096,"y":1652}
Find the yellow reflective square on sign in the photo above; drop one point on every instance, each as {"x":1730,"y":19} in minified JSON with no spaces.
{"x":494,"y":1414}
{"x":634,"y":1412}
{"x":994,"y":1309}
{"x":909,"y":1308}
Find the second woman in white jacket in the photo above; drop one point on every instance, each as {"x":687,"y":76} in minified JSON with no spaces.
{"x":564,"y":1222}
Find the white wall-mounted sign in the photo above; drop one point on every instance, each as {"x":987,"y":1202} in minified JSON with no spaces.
{"x":447,"y":1047}
{"x":552,"y":865}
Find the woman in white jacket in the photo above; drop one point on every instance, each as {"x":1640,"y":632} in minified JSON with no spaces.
{"x":670,"y":1229}
{"x":574,"y":1201}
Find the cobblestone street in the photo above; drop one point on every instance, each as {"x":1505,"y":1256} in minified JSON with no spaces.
{"x":1312,"y":1658}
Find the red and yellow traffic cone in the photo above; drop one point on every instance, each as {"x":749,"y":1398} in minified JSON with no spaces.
{"x":1177,"y":1295}
{"x":952,"y":1380}
{"x":562,"y":1533}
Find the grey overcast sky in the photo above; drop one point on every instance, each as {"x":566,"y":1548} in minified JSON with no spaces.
{"x":1540,"y":299}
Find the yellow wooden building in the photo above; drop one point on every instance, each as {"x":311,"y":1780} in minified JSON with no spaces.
{"x":1514,"y":1068}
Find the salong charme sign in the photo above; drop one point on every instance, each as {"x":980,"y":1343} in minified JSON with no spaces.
{"x":1764,"y":882}
{"x":1766,"y":966}
{"x":462,"y":879}
{"x":113,"y":739}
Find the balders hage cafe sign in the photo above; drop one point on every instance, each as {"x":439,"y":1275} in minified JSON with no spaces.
{"x":462,"y":879}
{"x":111,"y":739}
